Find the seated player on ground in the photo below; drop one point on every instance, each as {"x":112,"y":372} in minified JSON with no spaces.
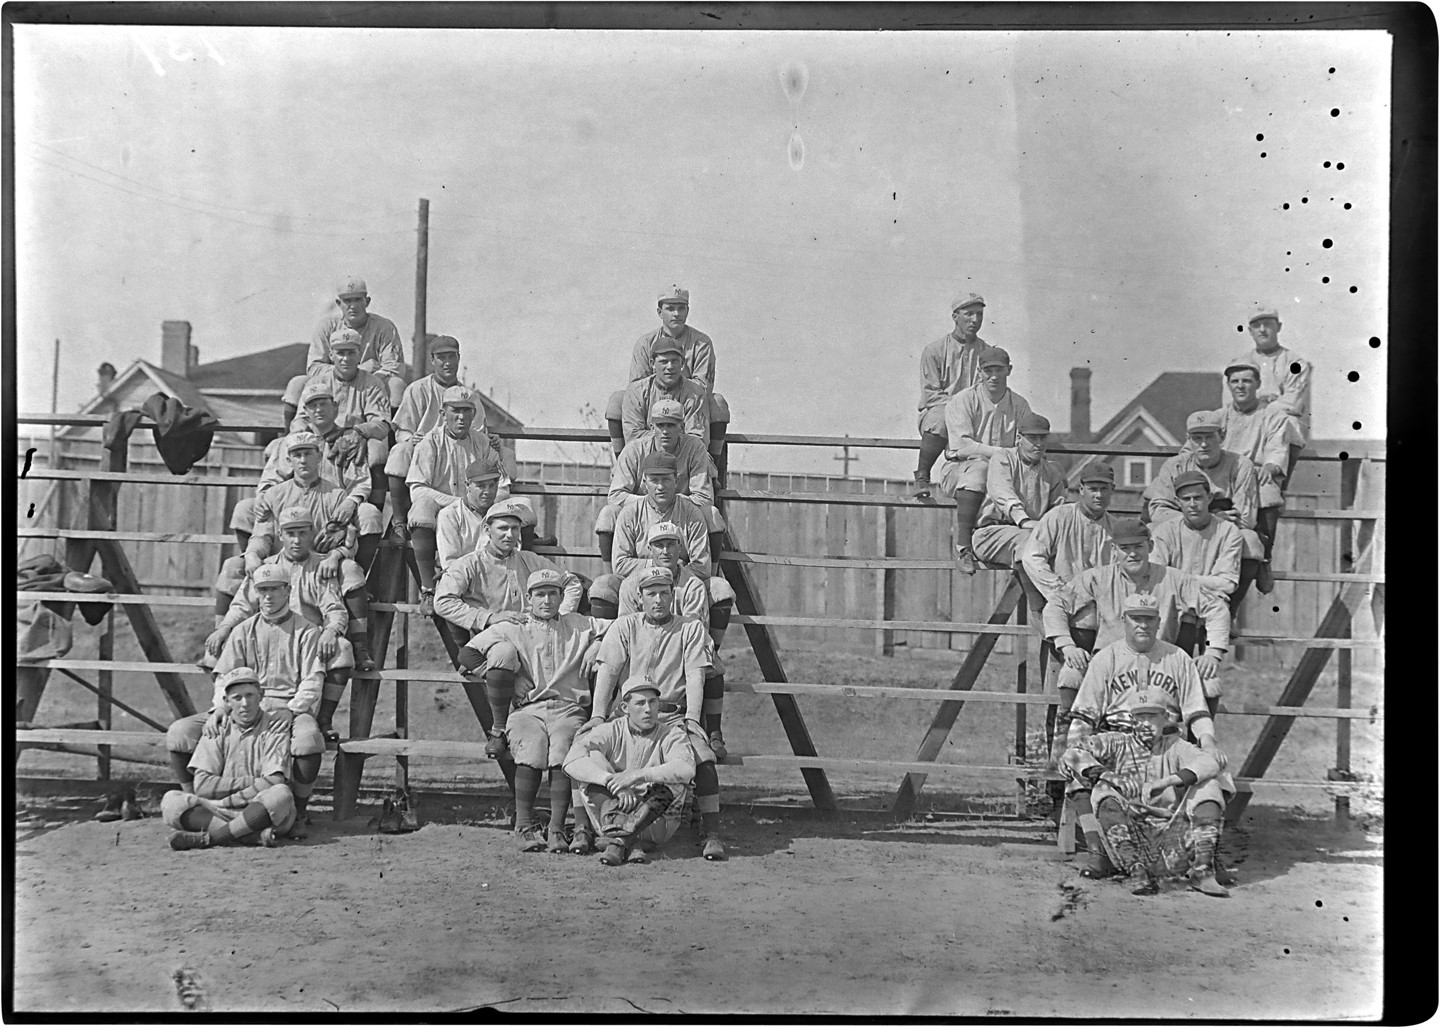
{"x":315,"y":594}
{"x":537,"y":675}
{"x":437,"y":475}
{"x":1234,"y":491}
{"x":1158,"y":799}
{"x":981,"y":422}
{"x":1199,"y":543}
{"x":1105,"y":588}
{"x":634,"y":775}
{"x":1266,"y":436}
{"x":674,"y":652}
{"x":692,"y":470}
{"x":381,"y":351}
{"x":948,"y":365}
{"x":698,"y":352}
{"x":1020,"y":486}
{"x":284,"y":651}
{"x":418,"y":413}
{"x":240,"y":795}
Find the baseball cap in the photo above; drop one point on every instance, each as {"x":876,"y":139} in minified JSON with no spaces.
{"x":443,"y":344}
{"x":656,"y":576}
{"x":544,"y":577}
{"x":526,"y":512}
{"x":483,"y":469}
{"x":301,"y":440}
{"x":507,"y":509}
{"x":658,"y":462}
{"x":993,"y":355}
{"x":1095,"y":471}
{"x":1034,"y":424}
{"x":1141,"y":603}
{"x":1189,"y":478}
{"x":638,"y":683}
{"x":667,"y":410}
{"x":351,"y":285}
{"x":345,"y":339}
{"x":1263,"y":310}
{"x":269,"y":574}
{"x":664,"y":530}
{"x":458,"y":396}
{"x":1150,"y":700}
{"x":237,"y":676}
{"x":1205,"y":421}
{"x":1242,"y":364}
{"x":666,"y":344}
{"x":1130,"y":530}
{"x":296,"y":517}
{"x":966,"y":300}
{"x":674,"y":294}
{"x":317,"y":387}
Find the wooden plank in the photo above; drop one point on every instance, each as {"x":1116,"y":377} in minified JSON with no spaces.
{"x":105,"y":694}
{"x":89,"y":736}
{"x":747,"y":601}
{"x":964,"y":680}
{"x":138,"y":537}
{"x":1349,"y":481}
{"x":107,"y":699}
{"x":885,"y":581}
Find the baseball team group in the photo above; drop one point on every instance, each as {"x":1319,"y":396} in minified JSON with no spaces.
{"x":613,"y":688}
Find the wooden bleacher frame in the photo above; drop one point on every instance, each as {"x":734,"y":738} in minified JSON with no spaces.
{"x":389,"y":581}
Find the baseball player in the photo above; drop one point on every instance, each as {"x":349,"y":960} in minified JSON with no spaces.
{"x":242,"y":516}
{"x":316,"y":585}
{"x":460,"y":527}
{"x":1284,"y":375}
{"x":361,"y":401}
{"x":661,"y":502}
{"x":692,"y":599}
{"x":1202,"y":544}
{"x":981,"y":421}
{"x":667,"y":382}
{"x":673,"y":652}
{"x":537,"y":681}
{"x":667,"y":434}
{"x":635,"y":771}
{"x":437,"y":475}
{"x":418,"y":413}
{"x":1265,"y":435}
{"x":646,"y":483}
{"x":1141,"y":778}
{"x":487,"y":587}
{"x":381,"y":352}
{"x":240,"y":793}
{"x":284,"y":651}
{"x":698,"y":359}
{"x":1020,"y":486}
{"x":1070,"y":537}
{"x":947,"y":366}
{"x":1234,"y":490}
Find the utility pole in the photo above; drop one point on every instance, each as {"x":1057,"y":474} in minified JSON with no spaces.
{"x":420,"y":363}
{"x":55,"y":406}
{"x":846,"y":458}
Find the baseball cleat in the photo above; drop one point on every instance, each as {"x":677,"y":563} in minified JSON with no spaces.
{"x":1148,"y":885}
{"x":555,"y":841}
{"x":111,"y":810}
{"x":495,"y":747}
{"x":613,"y":856}
{"x":1207,"y":884}
{"x":717,"y":744}
{"x":1264,"y":578}
{"x":711,"y":848}
{"x":1225,"y":875}
{"x":190,"y":840}
{"x":636,"y":856}
{"x":582,"y":842}
{"x":965,"y":560}
{"x":268,"y":838}
{"x":529,"y":840}
{"x":920,"y":488}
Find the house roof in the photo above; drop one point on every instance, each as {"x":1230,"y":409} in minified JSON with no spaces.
{"x":267,"y":369}
{"x":1169,"y":400}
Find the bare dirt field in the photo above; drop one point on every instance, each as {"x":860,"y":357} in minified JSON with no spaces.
{"x":855,"y":914}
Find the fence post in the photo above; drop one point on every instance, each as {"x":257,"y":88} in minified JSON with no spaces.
{"x":1349,"y":480}
{"x":885,"y":582}
{"x":106,"y":692}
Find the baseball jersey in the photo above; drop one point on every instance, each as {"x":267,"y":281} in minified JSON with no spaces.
{"x":285,"y":655}
{"x":419,"y":409}
{"x":1212,"y":552}
{"x":1284,"y":384}
{"x":1016,"y":492}
{"x":664,"y":752}
{"x":551,"y":652}
{"x":1107,"y":588}
{"x":352,"y":474}
{"x":947,"y":366}
{"x":699,"y":356}
{"x":483,"y":583}
{"x":692,"y":469}
{"x":314,"y":599}
{"x":237,"y":756}
{"x":635,"y":645}
{"x":459,"y":529}
{"x":1263,"y":435}
{"x":361,"y":399}
{"x":641,"y":395}
{"x":632,"y":527}
{"x":1063,"y":543}
{"x":438,"y":466}
{"x":1232,"y":477}
{"x":978,"y":426}
{"x":1118,"y":668}
{"x":380,"y":346}
{"x":1137,"y":764}
{"x":691,"y":595}
{"x":320,"y":498}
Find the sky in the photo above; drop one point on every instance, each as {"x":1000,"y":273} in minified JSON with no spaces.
{"x":1119,"y":199}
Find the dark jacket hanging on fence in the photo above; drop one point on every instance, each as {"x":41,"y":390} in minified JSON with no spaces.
{"x":182,"y":434}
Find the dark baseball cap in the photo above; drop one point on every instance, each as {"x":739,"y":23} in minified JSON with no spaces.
{"x":1034,"y":424}
{"x":659,"y":462}
{"x":1097,"y":471}
{"x":1188,"y":478}
{"x":993,"y":355}
{"x":1130,"y":530}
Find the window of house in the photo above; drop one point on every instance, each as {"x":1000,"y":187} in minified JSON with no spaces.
{"x":1137,"y":471}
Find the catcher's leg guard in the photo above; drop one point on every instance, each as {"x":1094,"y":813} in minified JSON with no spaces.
{"x":1119,"y":839}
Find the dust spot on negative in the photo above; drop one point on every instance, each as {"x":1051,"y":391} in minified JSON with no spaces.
{"x":1339,"y":165}
{"x":794,"y":77}
{"x":1326,"y":164}
{"x":1332,"y":71}
{"x":1304,"y":199}
{"x":1262,"y":153}
{"x":1354,"y":289}
{"x":1295,"y":368}
{"x":1345,"y":456}
{"x":1355,"y":425}
{"x":1239,"y":328}
{"x":1284,"y":206}
{"x":1325,"y":278}
{"x":1347,"y":206}
{"x":1334,"y":112}
{"x":1318,"y":903}
{"x":797,"y":151}
{"x":1259,"y":136}
{"x":1354,"y":376}
{"x":1374,"y":342}
{"x":1287,"y":951}
{"x":1275,"y":610}
{"x":1327,"y":243}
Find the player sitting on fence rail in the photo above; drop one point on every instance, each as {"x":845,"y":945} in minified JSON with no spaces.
{"x":381,"y":351}
{"x":1201,"y":544}
{"x":418,"y":413}
{"x":947,"y":366}
{"x":1021,"y":484}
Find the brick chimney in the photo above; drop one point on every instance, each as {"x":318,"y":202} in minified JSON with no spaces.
{"x":1080,"y":405}
{"x":175,"y":349}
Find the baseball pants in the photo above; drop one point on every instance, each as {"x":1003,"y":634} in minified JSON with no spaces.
{"x":183,"y":735}
{"x":999,"y":544}
{"x":539,"y":734}
{"x":966,"y":474}
{"x":277,"y":800}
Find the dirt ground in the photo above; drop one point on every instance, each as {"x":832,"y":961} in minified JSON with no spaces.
{"x":852,"y":915}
